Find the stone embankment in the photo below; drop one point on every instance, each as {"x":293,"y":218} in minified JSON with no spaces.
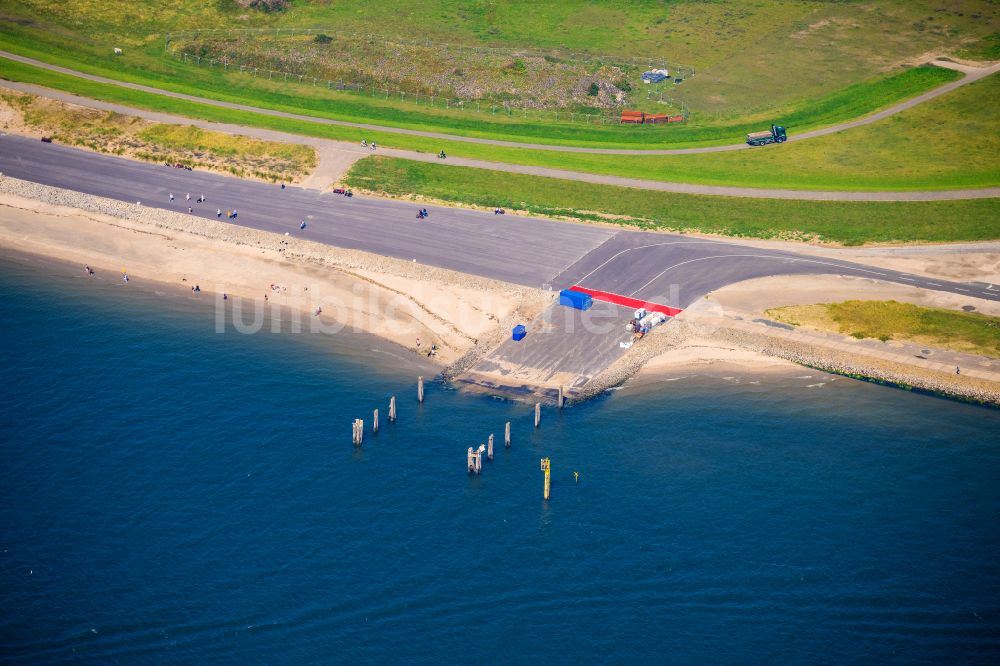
{"x":811,"y":354}
{"x":862,"y":366}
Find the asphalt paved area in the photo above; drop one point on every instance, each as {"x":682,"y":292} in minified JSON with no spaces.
{"x":511,"y":248}
{"x":670,"y":269}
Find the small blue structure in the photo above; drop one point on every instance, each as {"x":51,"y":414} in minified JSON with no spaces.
{"x":575,"y":299}
{"x":519,"y":332}
{"x":655,"y":76}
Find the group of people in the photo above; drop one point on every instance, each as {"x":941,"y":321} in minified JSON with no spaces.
{"x":422,"y":213}
{"x":187,"y":197}
{"x":499,"y":211}
{"x":431,"y":351}
{"x":365,"y":144}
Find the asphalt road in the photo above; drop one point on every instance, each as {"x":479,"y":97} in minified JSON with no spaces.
{"x":669,"y":269}
{"x":523,"y":250}
{"x":510,"y":248}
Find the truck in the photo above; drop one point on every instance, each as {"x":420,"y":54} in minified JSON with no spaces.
{"x":774,"y":135}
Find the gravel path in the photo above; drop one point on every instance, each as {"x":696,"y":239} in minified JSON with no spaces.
{"x":336,"y":156}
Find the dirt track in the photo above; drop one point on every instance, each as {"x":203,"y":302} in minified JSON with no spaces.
{"x":337,"y":156}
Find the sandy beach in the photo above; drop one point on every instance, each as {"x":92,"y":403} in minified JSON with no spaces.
{"x":728,"y":331}
{"x":412,"y":305}
{"x":462,"y":317}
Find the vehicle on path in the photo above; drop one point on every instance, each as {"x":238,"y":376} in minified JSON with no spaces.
{"x":774,"y":135}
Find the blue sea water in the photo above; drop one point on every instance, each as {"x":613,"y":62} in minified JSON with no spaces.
{"x":171,"y":494}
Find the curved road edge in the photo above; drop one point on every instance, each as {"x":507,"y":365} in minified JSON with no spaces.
{"x":970,"y":75}
{"x":352,"y":151}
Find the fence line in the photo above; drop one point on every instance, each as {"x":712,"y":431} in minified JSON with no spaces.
{"x":611,"y":116}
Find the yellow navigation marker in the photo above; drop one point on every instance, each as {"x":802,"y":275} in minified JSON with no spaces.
{"x":546,"y":467}
{"x":576,"y":476}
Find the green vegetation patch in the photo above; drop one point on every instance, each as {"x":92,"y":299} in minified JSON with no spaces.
{"x":758,"y":60}
{"x":943,"y":165}
{"x":119,"y":134}
{"x":849,"y":222}
{"x":968,"y":332}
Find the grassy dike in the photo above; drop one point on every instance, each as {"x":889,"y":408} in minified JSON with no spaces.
{"x":853,"y":101}
{"x":832,"y":162}
{"x":850,"y":223}
{"x":968,"y":332}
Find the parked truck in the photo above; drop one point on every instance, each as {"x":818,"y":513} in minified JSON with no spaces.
{"x":774,"y":135}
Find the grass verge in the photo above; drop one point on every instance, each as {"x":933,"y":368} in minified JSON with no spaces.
{"x":848,"y":103}
{"x":968,"y":332}
{"x":833,"y":162}
{"x":118,"y":134}
{"x":849,"y":222}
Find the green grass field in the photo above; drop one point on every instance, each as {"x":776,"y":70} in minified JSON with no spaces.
{"x":887,"y":159}
{"x":851,"y":223}
{"x":702,"y":130}
{"x":755,"y":58}
{"x":968,"y":332}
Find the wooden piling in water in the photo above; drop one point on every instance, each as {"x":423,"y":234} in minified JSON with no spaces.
{"x":560,"y":399}
{"x":392,"y":409}
{"x":489,"y":447}
{"x":546,"y":467}
{"x":538,"y":414}
{"x":475,"y":459}
{"x":375,"y":421}
{"x":359,"y":432}
{"x":506,"y":435}
{"x":420,"y":389}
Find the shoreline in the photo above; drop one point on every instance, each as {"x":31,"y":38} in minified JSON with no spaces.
{"x":396,"y":300}
{"x":465,"y":316}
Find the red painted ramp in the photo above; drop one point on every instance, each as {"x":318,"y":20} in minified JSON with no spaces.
{"x":633,"y":303}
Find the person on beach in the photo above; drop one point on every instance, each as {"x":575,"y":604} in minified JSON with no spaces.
{"x":190,"y":210}
{"x":124,"y":277}
{"x":282,"y":186}
{"x":187,"y":197}
{"x":218,"y":213}
{"x":418,"y":343}
{"x":171,"y":196}
{"x":201,"y":199}
{"x":958,"y":371}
